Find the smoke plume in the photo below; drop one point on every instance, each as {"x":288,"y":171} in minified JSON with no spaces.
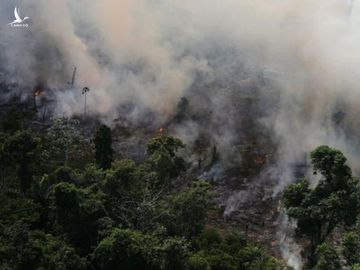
{"x":300,"y":57}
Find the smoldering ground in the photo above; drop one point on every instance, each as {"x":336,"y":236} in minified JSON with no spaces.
{"x":301,"y":57}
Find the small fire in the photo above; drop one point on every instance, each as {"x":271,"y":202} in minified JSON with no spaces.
{"x":161,"y":130}
{"x":260,"y":159}
{"x":39,"y":93}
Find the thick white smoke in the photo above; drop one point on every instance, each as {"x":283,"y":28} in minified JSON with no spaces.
{"x":153,"y":52}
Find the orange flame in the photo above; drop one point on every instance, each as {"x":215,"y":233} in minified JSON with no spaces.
{"x":39,"y":93}
{"x":260,"y":159}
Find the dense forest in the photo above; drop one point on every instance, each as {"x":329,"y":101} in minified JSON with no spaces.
{"x":66,"y":203}
{"x":179,"y":135}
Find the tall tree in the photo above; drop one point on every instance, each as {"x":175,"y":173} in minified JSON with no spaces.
{"x":19,"y":150}
{"x":103,"y":149}
{"x":77,"y":211}
{"x":333,"y":201}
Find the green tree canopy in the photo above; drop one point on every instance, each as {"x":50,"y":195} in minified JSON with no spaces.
{"x":335,"y":200}
{"x":126,"y":249}
{"x":164,"y":158}
{"x":327,"y":258}
{"x":188,"y":210}
{"x":24,"y":249}
{"x":351,"y":247}
{"x":65,"y":145}
{"x":78,"y":212}
{"x":103,"y":150}
{"x":19,"y":151}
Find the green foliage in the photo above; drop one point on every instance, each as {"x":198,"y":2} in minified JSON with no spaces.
{"x":66,"y":198}
{"x":254,"y":258}
{"x":296,"y":193}
{"x":17,"y":208}
{"x":331,"y":164}
{"x":208,"y":238}
{"x":351,"y":247}
{"x":61,"y":174}
{"x":65,"y":145}
{"x":188,"y":210}
{"x":327,"y":258}
{"x":77,"y":212}
{"x":167,"y":143}
{"x":221,"y":260}
{"x":14,"y":120}
{"x":129,"y":200}
{"x":22,"y":249}
{"x":103,"y":150}
{"x":164,"y":159}
{"x":175,"y":253}
{"x":74,"y":215}
{"x":19,"y":151}
{"x":335,"y":200}
{"x":230,"y":252}
{"x":91,"y":175}
{"x":198,"y":261}
{"x":121,"y":178}
{"x":126,"y":249}
{"x":20,"y":147}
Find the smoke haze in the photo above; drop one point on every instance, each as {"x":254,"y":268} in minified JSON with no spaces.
{"x":152,"y":53}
